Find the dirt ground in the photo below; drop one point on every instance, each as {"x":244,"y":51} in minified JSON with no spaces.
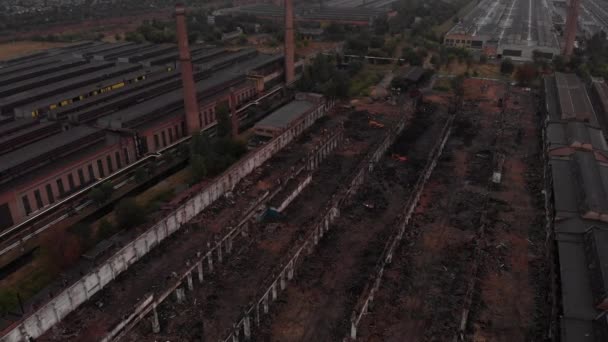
{"x":422,"y":296}
{"x":155,"y":272}
{"x":220,"y":301}
{"x":317,"y":305}
{"x":16,"y":49}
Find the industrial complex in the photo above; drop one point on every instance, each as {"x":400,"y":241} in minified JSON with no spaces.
{"x":389,"y":201}
{"x":512,"y":28}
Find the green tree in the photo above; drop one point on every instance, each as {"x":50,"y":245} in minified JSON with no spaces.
{"x":140,"y":175}
{"x":105,"y":229}
{"x":198,"y":168}
{"x":526,"y":73}
{"x":558,"y":63}
{"x":129,"y":214}
{"x":102,"y":193}
{"x":224,"y":124}
{"x":507,"y":66}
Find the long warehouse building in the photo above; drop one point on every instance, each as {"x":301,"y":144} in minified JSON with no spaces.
{"x":109,"y":105}
{"x":577,"y":192}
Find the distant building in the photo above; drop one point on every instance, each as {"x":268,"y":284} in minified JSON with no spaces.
{"x":72,"y":116}
{"x":577,"y":197}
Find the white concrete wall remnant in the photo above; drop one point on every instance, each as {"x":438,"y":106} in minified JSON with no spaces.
{"x":55,"y":310}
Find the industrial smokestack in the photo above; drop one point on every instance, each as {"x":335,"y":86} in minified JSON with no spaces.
{"x":190,"y":102}
{"x":571,"y":26}
{"x":289,"y":43}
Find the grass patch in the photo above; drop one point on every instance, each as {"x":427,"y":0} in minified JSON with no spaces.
{"x":27,"y":282}
{"x":361,"y":83}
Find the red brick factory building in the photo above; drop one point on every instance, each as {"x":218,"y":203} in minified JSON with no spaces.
{"x":74,"y":115}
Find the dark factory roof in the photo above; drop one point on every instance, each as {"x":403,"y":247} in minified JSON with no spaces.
{"x":83,"y":110}
{"x":16,"y":125}
{"x":98,"y":48}
{"x":206,"y":55}
{"x":566,"y":100}
{"x":580,"y":195}
{"x":135,"y":115}
{"x":153,"y":51}
{"x":31,"y":106}
{"x":122,"y":51}
{"x":13,"y":68}
{"x":23,"y":155}
{"x":574,"y":103}
{"x":87,"y":78}
{"x":27,"y":135}
{"x":53,"y":77}
{"x":581,"y":184}
{"x":565,"y":195}
{"x":575,"y":134}
{"x":596,"y":240}
{"x":39,"y":71}
{"x":284,"y":116}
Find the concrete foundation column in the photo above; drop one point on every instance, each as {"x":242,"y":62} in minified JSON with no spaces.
{"x":282,"y":281}
{"x":155,"y":322}
{"x":180,"y":294}
{"x":290,"y":271}
{"x":190,"y":284}
{"x":200,"y":272}
{"x":247,"y":327}
{"x":265,"y":304}
{"x":229,"y":245}
{"x":210,"y":261}
{"x":219,"y":251}
{"x":274,"y":292}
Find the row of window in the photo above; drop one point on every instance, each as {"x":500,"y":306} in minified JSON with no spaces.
{"x":171,"y":132}
{"x":207,"y":116}
{"x":63,"y":190}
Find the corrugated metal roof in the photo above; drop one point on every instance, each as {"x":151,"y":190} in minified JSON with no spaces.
{"x":282,"y":117}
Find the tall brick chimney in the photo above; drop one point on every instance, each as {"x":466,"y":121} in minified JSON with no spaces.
{"x":289,"y":43}
{"x":571,"y":26}
{"x":190,"y":101}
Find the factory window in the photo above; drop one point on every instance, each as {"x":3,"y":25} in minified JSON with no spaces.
{"x":91,"y":172}
{"x":38,"y":198}
{"x":60,"y":187}
{"x":118,"y":162}
{"x":176,"y":132}
{"x":184,"y":127}
{"x":164,"y":138}
{"x":26,"y":205}
{"x":170,"y":135}
{"x":109,"y":162}
{"x":49,"y":194}
{"x":71,"y":182}
{"x":81,"y":177}
{"x":100,"y":168}
{"x":156,"y":144}
{"x":200,"y":121}
{"x":126,"y":154}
